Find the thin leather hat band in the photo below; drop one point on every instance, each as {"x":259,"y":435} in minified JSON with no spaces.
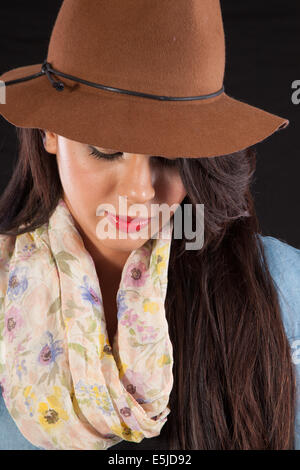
{"x":59,"y":86}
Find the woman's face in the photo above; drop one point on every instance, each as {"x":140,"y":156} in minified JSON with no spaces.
{"x":89,"y":181}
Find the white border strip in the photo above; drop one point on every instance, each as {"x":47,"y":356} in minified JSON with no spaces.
{"x":2,"y":92}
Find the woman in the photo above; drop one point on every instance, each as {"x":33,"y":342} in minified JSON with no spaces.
{"x":115,"y":339}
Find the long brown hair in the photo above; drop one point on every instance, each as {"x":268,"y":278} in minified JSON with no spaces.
{"x":234,"y":382}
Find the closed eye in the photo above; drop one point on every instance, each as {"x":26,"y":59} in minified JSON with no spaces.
{"x":119,"y":156}
{"x":106,"y":156}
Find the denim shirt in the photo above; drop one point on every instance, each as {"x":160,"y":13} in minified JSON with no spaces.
{"x":284,"y":265}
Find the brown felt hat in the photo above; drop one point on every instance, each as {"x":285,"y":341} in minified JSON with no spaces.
{"x":134,"y":76}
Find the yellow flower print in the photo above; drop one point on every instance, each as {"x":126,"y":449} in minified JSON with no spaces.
{"x":127,"y":433}
{"x":67,"y":321}
{"x":52,"y":413}
{"x":122,"y":368}
{"x":164,"y":360}
{"x":96,"y":391}
{"x":104,"y":349}
{"x":30,"y":398}
{"x":101,"y":344}
{"x":102,"y":398}
{"x":161,"y":257}
{"x":151,"y":307}
{"x":26,"y":392}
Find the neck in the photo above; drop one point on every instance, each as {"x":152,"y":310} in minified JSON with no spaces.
{"x":107,"y":261}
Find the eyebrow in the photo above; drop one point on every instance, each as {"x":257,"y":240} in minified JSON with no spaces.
{"x":106,"y":150}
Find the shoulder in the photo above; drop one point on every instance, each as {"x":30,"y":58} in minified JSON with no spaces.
{"x":284,"y":265}
{"x":279,"y":252}
{"x":7,"y":244}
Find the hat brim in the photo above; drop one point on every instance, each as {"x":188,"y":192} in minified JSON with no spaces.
{"x":200,"y":128}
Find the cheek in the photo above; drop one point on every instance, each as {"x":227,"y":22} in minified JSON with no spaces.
{"x":83,"y":179}
{"x":174,"y":190}
{"x":85,"y":186}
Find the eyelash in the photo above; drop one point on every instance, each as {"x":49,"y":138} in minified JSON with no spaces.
{"x":119,"y":156}
{"x":105,"y":156}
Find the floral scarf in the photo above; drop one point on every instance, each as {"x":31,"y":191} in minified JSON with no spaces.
{"x":64,"y":385}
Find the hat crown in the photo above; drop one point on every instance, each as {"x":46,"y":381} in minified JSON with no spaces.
{"x":163,"y":47}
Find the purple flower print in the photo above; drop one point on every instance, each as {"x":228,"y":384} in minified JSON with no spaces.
{"x":49,"y":352}
{"x":28,"y":250}
{"x":142,"y":400}
{"x":98,"y":394}
{"x":134,"y":384}
{"x":122,"y":307}
{"x":129,"y":318}
{"x":20,"y":368}
{"x":82,"y":388}
{"x":149,"y":333}
{"x":136,"y":275}
{"x":89,"y":294}
{"x":17,"y":283}
{"x":13,"y":321}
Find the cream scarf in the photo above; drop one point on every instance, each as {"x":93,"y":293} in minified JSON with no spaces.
{"x":64,"y":385}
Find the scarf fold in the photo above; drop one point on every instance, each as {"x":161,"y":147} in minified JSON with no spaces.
{"x":63,"y":383}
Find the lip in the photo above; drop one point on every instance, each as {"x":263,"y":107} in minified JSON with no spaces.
{"x":128,"y":219}
{"x":127,"y":224}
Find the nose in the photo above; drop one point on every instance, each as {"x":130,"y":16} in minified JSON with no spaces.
{"x":137,"y":181}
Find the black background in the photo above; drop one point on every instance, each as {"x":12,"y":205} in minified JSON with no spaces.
{"x":262,"y":61}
